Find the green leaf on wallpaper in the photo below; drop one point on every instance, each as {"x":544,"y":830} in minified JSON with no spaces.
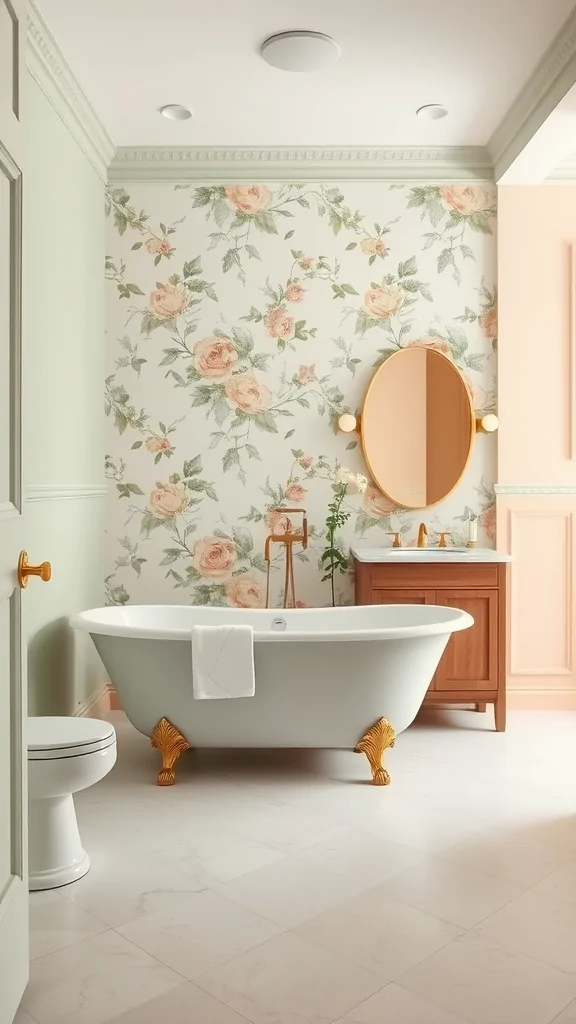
{"x":242,"y":340}
{"x":253,"y":452}
{"x":288,"y":235}
{"x":216,"y":438}
{"x":171,"y":555}
{"x":210,"y":491}
{"x":221,"y":410}
{"x":302,"y":201}
{"x":411,"y":286}
{"x":467,"y":252}
{"x":243,"y":540}
{"x":192,"y":267}
{"x":479,"y":222}
{"x":445,"y":259}
{"x":202,"y":195}
{"x":259,"y":563}
{"x":335,"y":221}
{"x":383,"y":355}
{"x":193,"y":466}
{"x":431,"y":237}
{"x":265,"y":421}
{"x":202,"y":395}
{"x":348,"y":289}
{"x":137,"y":245}
{"x":288,"y":434}
{"x":260,"y":360}
{"x":230,"y":458}
{"x":408,"y":267}
{"x":252,"y":251}
{"x":162,"y":426}
{"x":221,"y":212}
{"x":351,"y":245}
{"x":150,"y":522}
{"x":211,"y":293}
{"x":436,"y":212}
{"x":351,"y":446}
{"x":426,"y":293}
{"x":265,"y":222}
{"x":303,"y":402}
{"x":137,"y":444}
{"x":230,"y":258}
{"x":191,"y":528}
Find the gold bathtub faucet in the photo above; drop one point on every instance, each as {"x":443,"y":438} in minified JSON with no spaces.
{"x":422,"y":535}
{"x":288,"y":540}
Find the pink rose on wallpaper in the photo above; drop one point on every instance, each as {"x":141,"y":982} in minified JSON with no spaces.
{"x":244,"y":592}
{"x":306,"y":374}
{"x":168,"y":500}
{"x":465,"y":198}
{"x":295,"y":292}
{"x":489,"y":323}
{"x":159,"y":247}
{"x":158,"y":444}
{"x":306,"y":461}
{"x":279,"y":324}
{"x":168,"y":301}
{"x":249,"y":199}
{"x":214,"y":357}
{"x":377,"y":504}
{"x":306,"y":262}
{"x":434,"y":343}
{"x":214,"y":557}
{"x":373,"y":247}
{"x":383,"y":301}
{"x":277,"y":522}
{"x":294,"y":491}
{"x":247,"y":393}
{"x":488,"y":522}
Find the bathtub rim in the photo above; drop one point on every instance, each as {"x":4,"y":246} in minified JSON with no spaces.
{"x":89,"y":622}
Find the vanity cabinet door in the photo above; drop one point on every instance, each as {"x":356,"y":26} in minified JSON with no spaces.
{"x":403,"y":597}
{"x":470,"y":661}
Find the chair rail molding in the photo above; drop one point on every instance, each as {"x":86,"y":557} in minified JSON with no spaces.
{"x":63,"y":492}
{"x":164,"y":163}
{"x":553,"y":77}
{"x":49,"y":68}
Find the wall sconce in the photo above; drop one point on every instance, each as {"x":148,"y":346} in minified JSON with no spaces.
{"x":487,"y":424}
{"x":348,"y":423}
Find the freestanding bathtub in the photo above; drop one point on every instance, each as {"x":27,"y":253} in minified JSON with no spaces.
{"x":325,"y":677}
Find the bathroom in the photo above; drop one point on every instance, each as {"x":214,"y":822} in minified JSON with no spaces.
{"x":253,"y":290}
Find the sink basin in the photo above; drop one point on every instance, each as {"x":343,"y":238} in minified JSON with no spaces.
{"x":421,"y":552}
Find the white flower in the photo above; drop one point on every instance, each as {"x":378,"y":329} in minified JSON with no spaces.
{"x":354,"y":483}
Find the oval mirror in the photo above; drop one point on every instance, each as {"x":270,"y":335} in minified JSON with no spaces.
{"x":417,"y":427}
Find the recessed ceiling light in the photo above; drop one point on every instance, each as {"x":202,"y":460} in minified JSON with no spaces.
{"x":432,"y":112}
{"x":175,"y":112}
{"x":300,"y":51}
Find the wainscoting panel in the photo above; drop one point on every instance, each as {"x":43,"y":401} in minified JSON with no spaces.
{"x":540,"y":534}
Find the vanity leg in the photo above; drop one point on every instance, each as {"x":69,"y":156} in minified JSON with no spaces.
{"x":480,"y":707}
{"x":374,"y":742}
{"x":500,"y":713}
{"x":166,"y":738}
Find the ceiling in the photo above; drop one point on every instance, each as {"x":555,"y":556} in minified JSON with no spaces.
{"x":133,"y":56}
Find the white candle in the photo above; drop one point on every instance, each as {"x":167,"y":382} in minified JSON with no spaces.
{"x":473,"y":530}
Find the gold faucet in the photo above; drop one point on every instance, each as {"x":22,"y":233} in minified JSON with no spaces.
{"x":288,"y":540}
{"x":422,"y":535}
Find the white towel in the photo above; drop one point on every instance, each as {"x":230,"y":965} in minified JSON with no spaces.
{"x":222,"y":662}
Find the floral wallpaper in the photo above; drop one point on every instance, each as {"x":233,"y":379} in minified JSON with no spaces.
{"x":243,"y":320}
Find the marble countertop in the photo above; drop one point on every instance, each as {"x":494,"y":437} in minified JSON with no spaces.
{"x":415,"y":556}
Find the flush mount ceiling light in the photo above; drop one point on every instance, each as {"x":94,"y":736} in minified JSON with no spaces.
{"x":176,"y":112}
{"x":300,"y":51}
{"x":432,"y":112}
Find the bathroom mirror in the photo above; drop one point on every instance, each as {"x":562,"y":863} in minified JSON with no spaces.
{"x":417,"y":427}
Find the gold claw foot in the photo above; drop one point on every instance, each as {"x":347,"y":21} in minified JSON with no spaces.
{"x":374,"y":742}
{"x":166,"y":738}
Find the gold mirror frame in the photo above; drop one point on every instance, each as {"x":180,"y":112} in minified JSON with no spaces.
{"x":472,"y":425}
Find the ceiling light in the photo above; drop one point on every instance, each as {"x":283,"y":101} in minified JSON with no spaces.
{"x":432,"y":112}
{"x":176,"y":112}
{"x":300,"y":51}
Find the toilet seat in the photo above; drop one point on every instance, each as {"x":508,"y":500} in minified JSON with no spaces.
{"x":58,"y":737}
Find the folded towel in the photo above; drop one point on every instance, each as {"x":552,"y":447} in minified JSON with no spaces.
{"x":222,"y":662}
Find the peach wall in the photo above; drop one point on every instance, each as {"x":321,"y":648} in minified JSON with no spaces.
{"x":536,"y":506}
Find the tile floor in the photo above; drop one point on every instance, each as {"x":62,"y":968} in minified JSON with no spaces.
{"x":282,"y":888}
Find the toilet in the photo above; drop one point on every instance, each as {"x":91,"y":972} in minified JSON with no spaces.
{"x":65,"y":755}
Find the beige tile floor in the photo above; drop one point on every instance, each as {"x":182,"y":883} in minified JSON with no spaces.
{"x":281,"y":888}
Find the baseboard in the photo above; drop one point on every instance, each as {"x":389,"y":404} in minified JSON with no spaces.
{"x":115,"y":704}
{"x":541,"y":700}
{"x":98,"y":704}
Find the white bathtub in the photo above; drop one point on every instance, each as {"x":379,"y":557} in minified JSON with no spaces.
{"x":323,"y":675}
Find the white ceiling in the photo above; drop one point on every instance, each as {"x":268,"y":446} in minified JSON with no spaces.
{"x":133,"y":56}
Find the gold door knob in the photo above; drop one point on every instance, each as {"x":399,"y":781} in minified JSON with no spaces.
{"x":44,"y":570}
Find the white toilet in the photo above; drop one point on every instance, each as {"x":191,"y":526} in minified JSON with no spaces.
{"x":65,"y":755}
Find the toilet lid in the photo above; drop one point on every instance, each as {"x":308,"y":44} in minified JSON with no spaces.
{"x":67,"y":737}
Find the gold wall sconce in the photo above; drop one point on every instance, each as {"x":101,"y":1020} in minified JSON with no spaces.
{"x":487,"y":424}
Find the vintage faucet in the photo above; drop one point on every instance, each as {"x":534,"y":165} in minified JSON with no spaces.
{"x":288,"y":540}
{"x":422,"y":535}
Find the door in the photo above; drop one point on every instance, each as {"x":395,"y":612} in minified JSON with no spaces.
{"x":13,"y":760}
{"x":406,"y":597}
{"x":470,"y":662}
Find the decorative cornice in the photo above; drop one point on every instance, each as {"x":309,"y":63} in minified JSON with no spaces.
{"x":49,"y":68}
{"x":64,"y":492}
{"x":535,"y":489}
{"x":553,"y":77}
{"x":454,"y":163}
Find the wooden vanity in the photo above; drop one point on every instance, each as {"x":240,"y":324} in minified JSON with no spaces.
{"x":473,"y":667}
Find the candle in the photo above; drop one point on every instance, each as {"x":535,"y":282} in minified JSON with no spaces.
{"x":472,"y":531}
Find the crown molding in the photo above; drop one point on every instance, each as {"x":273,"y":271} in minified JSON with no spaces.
{"x":50,"y":71}
{"x":553,"y":77}
{"x":539,"y":489}
{"x":455,"y":163}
